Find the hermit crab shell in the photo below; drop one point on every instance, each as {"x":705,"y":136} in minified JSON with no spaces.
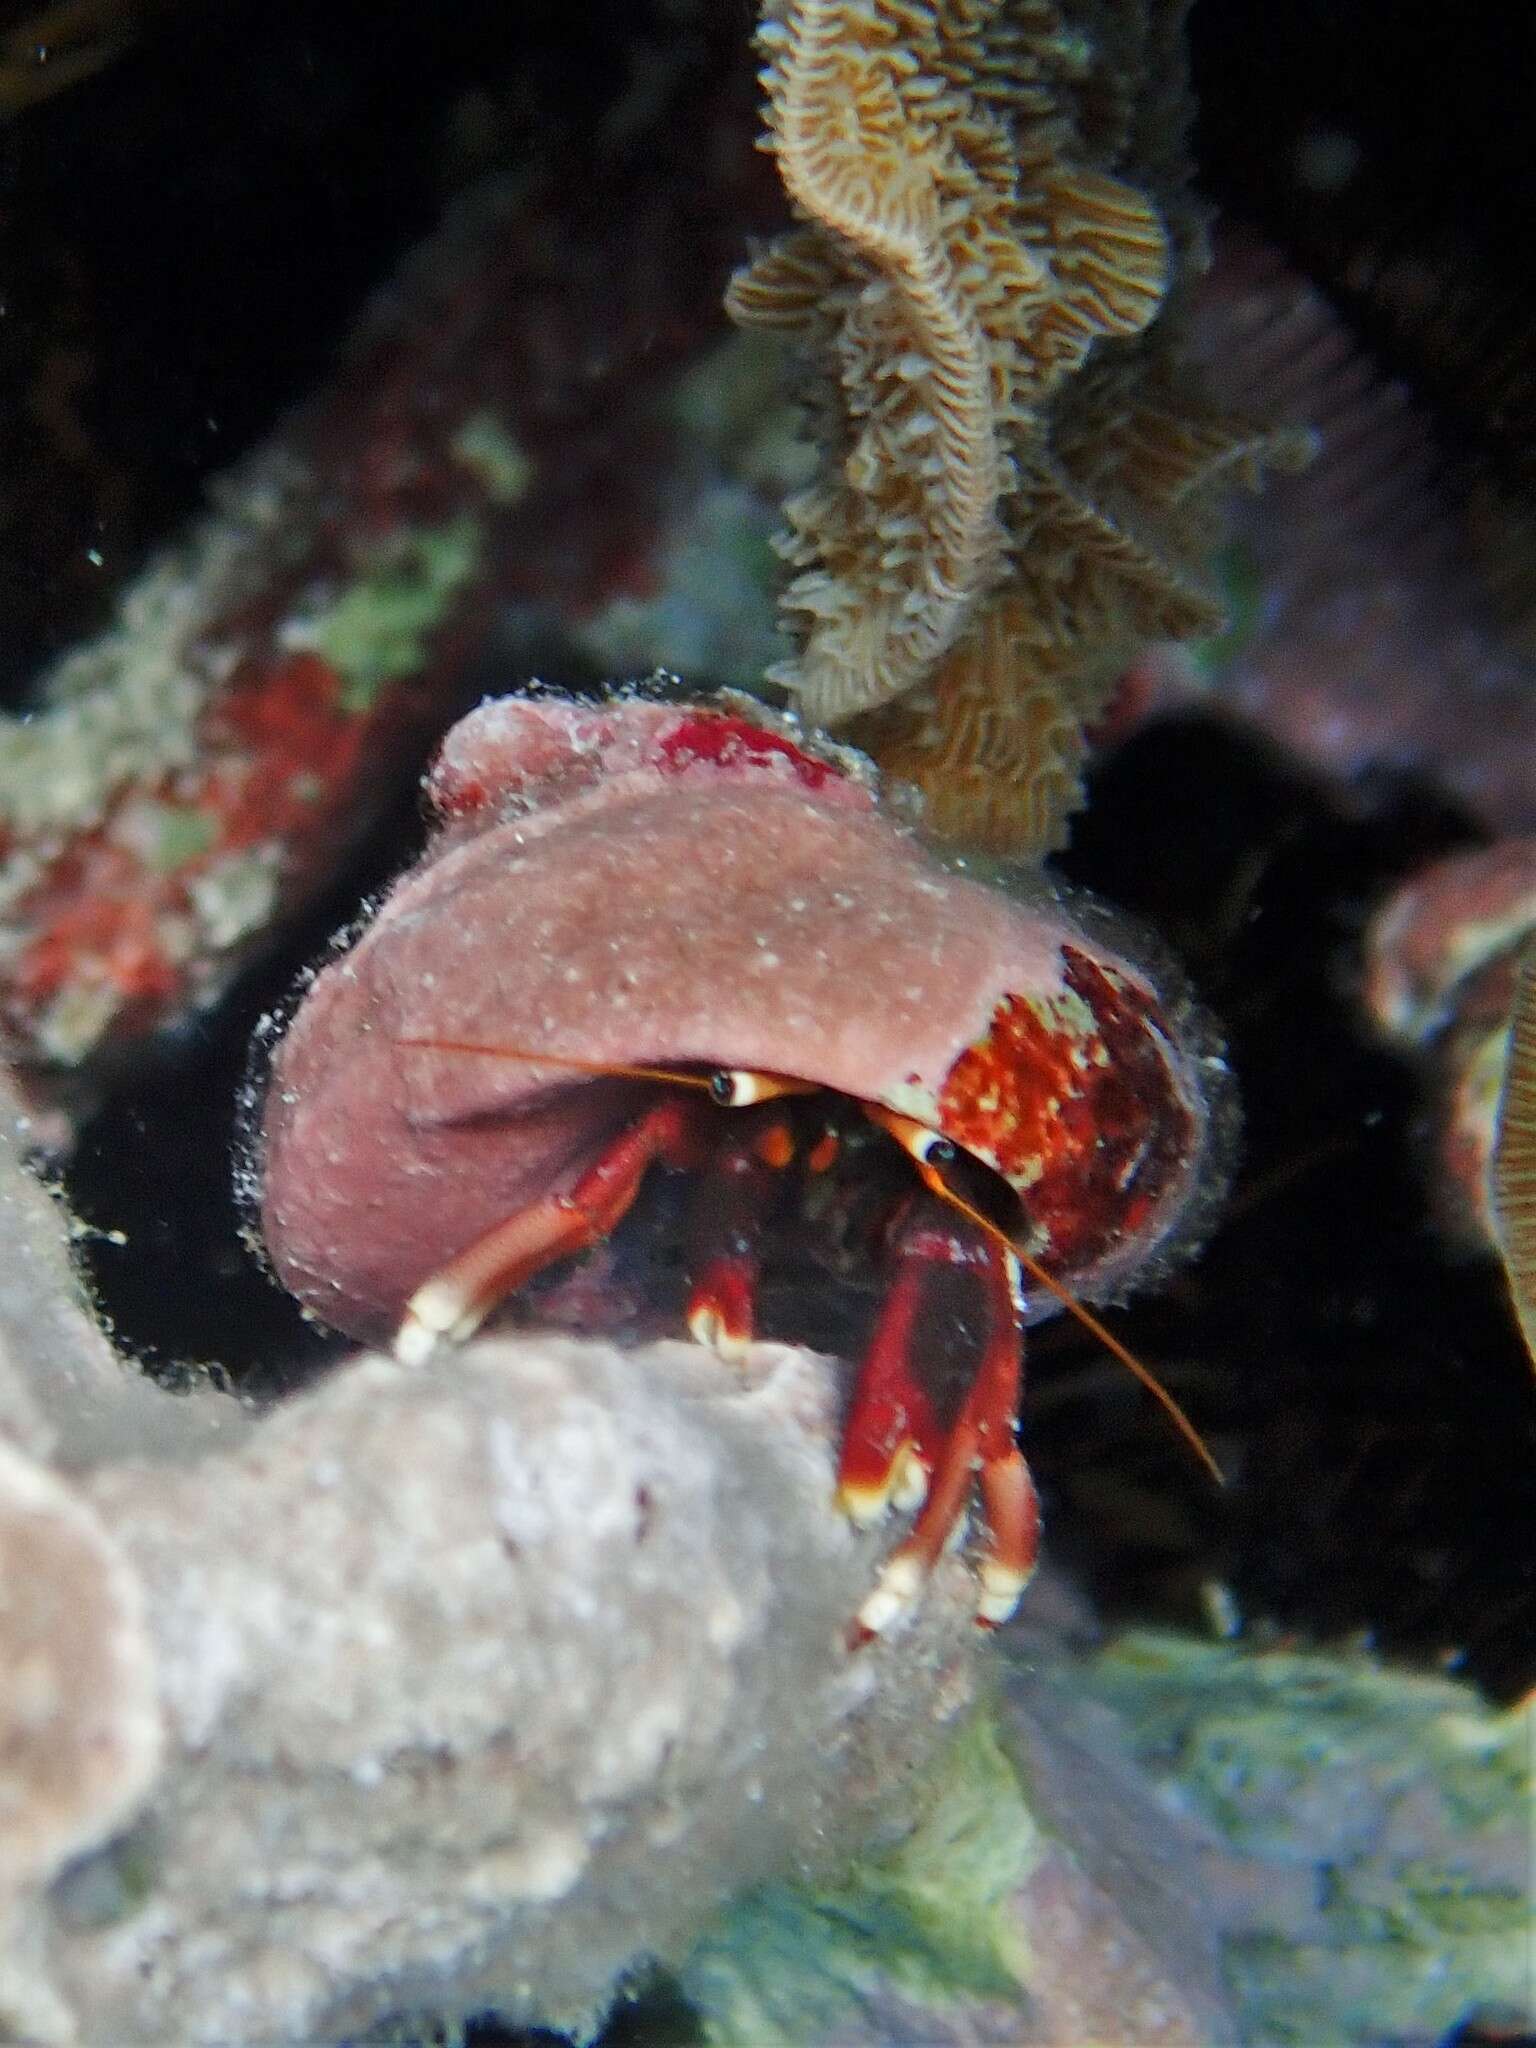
{"x":645,"y":883}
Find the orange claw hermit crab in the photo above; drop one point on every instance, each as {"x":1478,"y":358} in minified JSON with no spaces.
{"x":656,"y":932}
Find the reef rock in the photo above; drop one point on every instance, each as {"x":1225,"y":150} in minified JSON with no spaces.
{"x":478,"y":1688}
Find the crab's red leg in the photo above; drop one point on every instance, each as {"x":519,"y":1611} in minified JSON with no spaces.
{"x":979,"y":1440}
{"x":731,"y":1200}
{"x":889,"y":1434}
{"x":1012,"y":1509}
{"x":456,"y":1300}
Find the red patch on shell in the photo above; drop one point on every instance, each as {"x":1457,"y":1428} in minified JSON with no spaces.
{"x":1088,"y":1125}
{"x":518,"y":755}
{"x":728,"y":742}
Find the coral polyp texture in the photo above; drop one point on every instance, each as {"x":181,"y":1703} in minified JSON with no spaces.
{"x":682,"y":935}
{"x":1369,"y":647}
{"x":1018,"y":483}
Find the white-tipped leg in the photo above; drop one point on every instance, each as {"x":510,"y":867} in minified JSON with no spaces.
{"x":1007,"y":1564}
{"x":895,"y":1596}
{"x":708,"y":1324}
{"x":452,"y":1304}
{"x":414,"y":1344}
{"x":999,"y":1592}
{"x":438,"y":1313}
{"x":910,"y":1489}
{"x":902,"y":1485}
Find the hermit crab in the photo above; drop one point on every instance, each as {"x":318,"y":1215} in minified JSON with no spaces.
{"x":659,"y":933}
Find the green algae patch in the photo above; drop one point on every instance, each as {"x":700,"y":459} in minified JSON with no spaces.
{"x":484,"y":446}
{"x":112,"y":1883}
{"x":177,"y":834}
{"x":377,"y":630}
{"x":928,"y":1918}
{"x":1406,"y":1799}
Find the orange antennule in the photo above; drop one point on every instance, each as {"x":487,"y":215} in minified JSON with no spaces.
{"x":727,"y":1087}
{"x":613,"y":1068}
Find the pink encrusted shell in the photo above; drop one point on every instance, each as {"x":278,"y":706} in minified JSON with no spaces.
{"x":648,"y":883}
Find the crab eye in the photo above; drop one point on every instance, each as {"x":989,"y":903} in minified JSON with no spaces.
{"x":722,"y":1088}
{"x":940,"y":1152}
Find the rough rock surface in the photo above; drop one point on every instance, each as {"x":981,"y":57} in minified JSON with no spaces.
{"x":437,"y":1691}
{"x":1115,"y":1909}
{"x":63,"y":1390}
{"x":480,"y":1686}
{"x":1041,"y":1897}
{"x":79,"y":1726}
{"x":1368,"y":1862}
{"x":79,"y":1721}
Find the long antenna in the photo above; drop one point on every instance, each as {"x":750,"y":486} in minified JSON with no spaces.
{"x":703,"y":1082}
{"x":726,"y":1087}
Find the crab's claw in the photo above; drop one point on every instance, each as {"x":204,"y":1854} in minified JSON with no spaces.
{"x":451,"y":1305}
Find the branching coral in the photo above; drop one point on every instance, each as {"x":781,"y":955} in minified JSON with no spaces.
{"x":186,"y":778}
{"x":1124,"y":518}
{"x":1368,"y":650}
{"x":185,"y":782}
{"x":1375,"y":647}
{"x":1017,"y":486}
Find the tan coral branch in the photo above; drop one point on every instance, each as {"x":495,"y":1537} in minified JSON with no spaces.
{"x":886,"y":208}
{"x":1124,"y":514}
{"x":956,"y":268}
{"x":1020,"y":484}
